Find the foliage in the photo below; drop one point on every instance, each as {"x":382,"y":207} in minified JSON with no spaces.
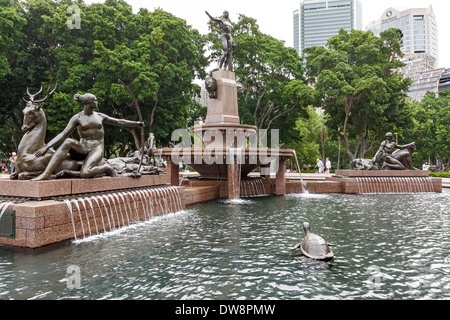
{"x":358,"y":85}
{"x":12,"y":25}
{"x":440,"y":174}
{"x":307,"y":130}
{"x":154,"y":54}
{"x":431,"y":127}
{"x":272,"y":76}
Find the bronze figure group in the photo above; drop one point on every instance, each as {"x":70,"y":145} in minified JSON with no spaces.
{"x":390,"y":156}
{"x":84,"y":158}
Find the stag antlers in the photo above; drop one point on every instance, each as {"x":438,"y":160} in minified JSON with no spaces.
{"x":32,"y":96}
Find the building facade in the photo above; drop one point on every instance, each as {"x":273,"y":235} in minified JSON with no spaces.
{"x":419,"y":27}
{"x":204,"y":95}
{"x":444,"y":82}
{"x":420,"y":46}
{"x":316,"y":21}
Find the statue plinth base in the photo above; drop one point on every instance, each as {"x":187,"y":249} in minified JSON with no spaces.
{"x":39,"y":190}
{"x":224,"y":109}
{"x":37,"y":213}
{"x":386,"y":181}
{"x":382,"y":173}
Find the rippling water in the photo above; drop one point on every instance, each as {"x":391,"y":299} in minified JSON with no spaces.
{"x":386,"y":247}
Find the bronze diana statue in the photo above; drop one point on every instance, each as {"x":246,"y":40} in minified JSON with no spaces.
{"x":227,"y":41}
{"x":89,"y":149}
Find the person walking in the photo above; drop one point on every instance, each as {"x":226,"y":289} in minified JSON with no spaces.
{"x":319,"y":165}
{"x":328,"y":165}
{"x":12,"y":163}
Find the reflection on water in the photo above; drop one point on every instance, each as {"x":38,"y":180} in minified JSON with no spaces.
{"x":386,"y":247}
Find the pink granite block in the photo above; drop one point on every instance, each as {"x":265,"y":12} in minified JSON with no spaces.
{"x":41,"y":237}
{"x":34,"y":189}
{"x":20,"y":239}
{"x":382,"y":173}
{"x":82,"y":186}
{"x":225,"y":107}
{"x":30,"y":223}
{"x":57,"y":219}
{"x":35,"y":209}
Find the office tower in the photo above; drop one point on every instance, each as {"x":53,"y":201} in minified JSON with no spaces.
{"x":444,"y":82}
{"x":419,"y":27}
{"x":204,"y":95}
{"x":423,"y":82}
{"x":420,"y":46}
{"x":318,"y":20}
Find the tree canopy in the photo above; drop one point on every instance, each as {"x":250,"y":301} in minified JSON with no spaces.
{"x":430,"y":128}
{"x":272,"y":75}
{"x":133,"y":63}
{"x":142,"y":66}
{"x":358,"y":84}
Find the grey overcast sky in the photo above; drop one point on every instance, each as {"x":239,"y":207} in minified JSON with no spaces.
{"x":274,"y":17}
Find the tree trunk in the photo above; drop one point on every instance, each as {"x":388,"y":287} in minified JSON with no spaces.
{"x":135,"y":103}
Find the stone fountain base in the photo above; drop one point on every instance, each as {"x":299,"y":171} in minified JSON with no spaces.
{"x":38,"y":213}
{"x":47,"y":212}
{"x":372,"y":182}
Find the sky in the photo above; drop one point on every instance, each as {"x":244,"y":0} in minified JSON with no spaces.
{"x":274,"y":17}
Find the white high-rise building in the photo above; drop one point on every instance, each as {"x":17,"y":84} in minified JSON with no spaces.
{"x":204,"y":95}
{"x":419,"y":27}
{"x":420,"y":46}
{"x":316,"y":21}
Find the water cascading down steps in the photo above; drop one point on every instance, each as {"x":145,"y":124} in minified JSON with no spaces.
{"x":93,"y":214}
{"x":385,"y":185}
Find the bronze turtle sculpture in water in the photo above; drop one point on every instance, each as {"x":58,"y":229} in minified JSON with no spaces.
{"x":314,"y":246}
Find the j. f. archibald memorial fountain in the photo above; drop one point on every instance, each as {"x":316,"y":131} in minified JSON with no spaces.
{"x":65,"y":189}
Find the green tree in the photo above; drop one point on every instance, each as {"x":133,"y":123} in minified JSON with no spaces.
{"x":12,"y":38}
{"x":307,"y":131}
{"x":430,"y":129}
{"x":266,"y":67}
{"x":359,"y":87}
{"x":153,"y":72}
{"x":11,"y":33}
{"x":154,"y":55}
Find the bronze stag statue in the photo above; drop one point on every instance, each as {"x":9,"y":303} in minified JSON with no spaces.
{"x":34,"y":130}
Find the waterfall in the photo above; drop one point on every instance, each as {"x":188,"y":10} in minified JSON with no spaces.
{"x":252,"y":187}
{"x":300,"y":172}
{"x":389,"y":185}
{"x":236,"y":184}
{"x":128,"y":207}
{"x":3,"y":207}
{"x":69,"y":205}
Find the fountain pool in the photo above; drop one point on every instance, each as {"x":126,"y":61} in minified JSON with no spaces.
{"x":386,"y":246}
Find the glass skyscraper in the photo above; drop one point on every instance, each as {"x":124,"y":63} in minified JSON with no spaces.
{"x":318,"y":20}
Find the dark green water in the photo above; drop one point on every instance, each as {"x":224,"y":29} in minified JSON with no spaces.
{"x":386,"y":247}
